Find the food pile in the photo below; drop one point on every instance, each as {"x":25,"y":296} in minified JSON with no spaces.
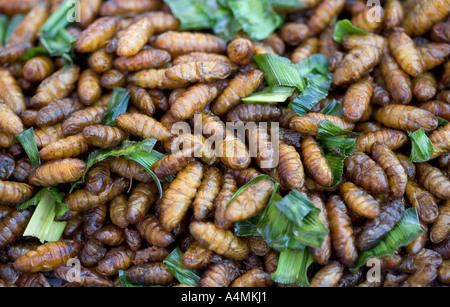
{"x":247,"y":143}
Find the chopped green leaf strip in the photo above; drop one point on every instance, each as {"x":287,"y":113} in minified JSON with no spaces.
{"x":343,"y":28}
{"x":279,"y":71}
{"x":293,"y":267}
{"x":334,"y":109}
{"x":146,"y":162}
{"x":224,"y":24}
{"x":257,"y":17}
{"x":28,"y":142}
{"x":336,"y":148}
{"x":13,"y":22}
{"x":422,"y":148}
{"x":60,"y":207}
{"x":42,"y":224}
{"x":127,"y":148}
{"x":3,"y":28}
{"x":327,"y":128}
{"x":442,"y":121}
{"x":62,"y":43}
{"x":117,"y":105}
{"x":406,"y":230}
{"x":34,"y":52}
{"x":274,"y":94}
{"x":190,"y":13}
{"x":316,"y":90}
{"x":289,"y":222}
{"x":125,"y":282}
{"x":58,"y":20}
{"x":287,"y":4}
{"x":184,"y":275}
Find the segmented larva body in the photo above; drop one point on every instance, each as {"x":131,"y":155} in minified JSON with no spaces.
{"x":48,"y":256}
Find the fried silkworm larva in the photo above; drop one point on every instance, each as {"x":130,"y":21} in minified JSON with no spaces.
{"x":116,"y":259}
{"x":9,"y":121}
{"x":328,"y":276}
{"x":38,"y":68}
{"x":82,"y":199}
{"x":253,"y":278}
{"x":47,"y":135}
{"x":323,"y":14}
{"x":398,"y":83}
{"x":309,"y":123}
{"x":178,"y":197}
{"x":357,"y":63}
{"x":423,"y":201}
{"x":47,"y":256}
{"x":342,"y":237}
{"x":88,"y":277}
{"x":143,"y":126}
{"x":70,"y":147}
{"x":357,"y":99}
{"x":95,"y":35}
{"x":57,"y":111}
{"x":104,"y":136}
{"x":290,"y":167}
{"x":407,"y":118}
{"x":315,"y":163}
{"x":58,"y":171}
{"x":150,"y":274}
{"x":110,"y":235}
{"x":193,"y":99}
{"x":153,"y":232}
{"x":13,"y":226}
{"x":89,"y":87}
{"x":359,"y":201}
{"x":199,"y":71}
{"x":424,"y":14}
{"x":197,"y":257}
{"x":432,"y":179}
{"x":229,"y":187}
{"x":393,"y":139}
{"x":220,"y":274}
{"x":250,"y":202}
{"x":393,"y":168}
{"x":239,"y":87}
{"x":220,"y":241}
{"x":405,"y":52}
{"x":322,"y":255}
{"x":118,"y":211}
{"x":56,"y":86}
{"x":177,"y":43}
{"x":207,"y":192}
{"x":441,"y":227}
{"x":92,"y":252}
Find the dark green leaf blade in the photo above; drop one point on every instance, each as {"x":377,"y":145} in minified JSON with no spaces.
{"x":293,"y":267}
{"x":257,"y":17}
{"x":117,"y":105}
{"x":343,"y":28}
{"x":422,"y":149}
{"x":28,"y":142}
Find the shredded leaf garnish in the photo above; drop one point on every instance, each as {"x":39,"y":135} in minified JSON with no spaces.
{"x":28,"y":142}
{"x":422,"y":148}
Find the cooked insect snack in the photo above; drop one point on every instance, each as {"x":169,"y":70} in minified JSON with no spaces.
{"x":224,"y":143}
